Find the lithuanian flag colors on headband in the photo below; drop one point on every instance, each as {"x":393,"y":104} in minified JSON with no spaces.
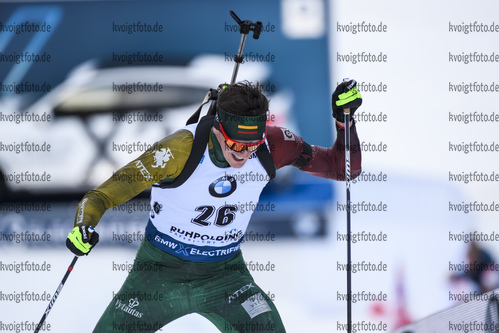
{"x":242,"y":127}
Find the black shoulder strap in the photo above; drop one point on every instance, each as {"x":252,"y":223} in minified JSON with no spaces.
{"x":266,"y":160}
{"x":201,"y":138}
{"x":210,"y":96}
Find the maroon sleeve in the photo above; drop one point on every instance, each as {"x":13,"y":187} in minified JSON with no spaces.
{"x":287,"y":148}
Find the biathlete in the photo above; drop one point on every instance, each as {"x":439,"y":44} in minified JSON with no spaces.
{"x":191,"y":258}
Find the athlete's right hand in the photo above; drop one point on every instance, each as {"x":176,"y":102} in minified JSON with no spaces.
{"x":82,"y":239}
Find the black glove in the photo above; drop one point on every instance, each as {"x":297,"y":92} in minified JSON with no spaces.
{"x":82,"y":239}
{"x":346,"y":96}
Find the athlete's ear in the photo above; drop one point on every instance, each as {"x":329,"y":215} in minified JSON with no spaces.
{"x":219,"y":136}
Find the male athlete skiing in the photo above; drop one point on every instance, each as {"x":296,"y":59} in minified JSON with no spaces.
{"x":191,"y":254}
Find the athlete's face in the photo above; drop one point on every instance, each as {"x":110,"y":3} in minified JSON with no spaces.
{"x":234,"y":158}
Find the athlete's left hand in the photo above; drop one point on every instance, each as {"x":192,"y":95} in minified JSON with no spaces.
{"x":346,"y":96}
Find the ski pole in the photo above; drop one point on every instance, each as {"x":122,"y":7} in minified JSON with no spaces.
{"x":349,"y":254}
{"x":56,"y":294}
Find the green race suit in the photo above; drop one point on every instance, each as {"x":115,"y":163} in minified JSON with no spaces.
{"x":190,"y":261}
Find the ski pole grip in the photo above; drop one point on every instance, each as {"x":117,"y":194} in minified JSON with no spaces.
{"x":346,"y":110}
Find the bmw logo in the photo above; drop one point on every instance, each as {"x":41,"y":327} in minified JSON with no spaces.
{"x":223,"y":187}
